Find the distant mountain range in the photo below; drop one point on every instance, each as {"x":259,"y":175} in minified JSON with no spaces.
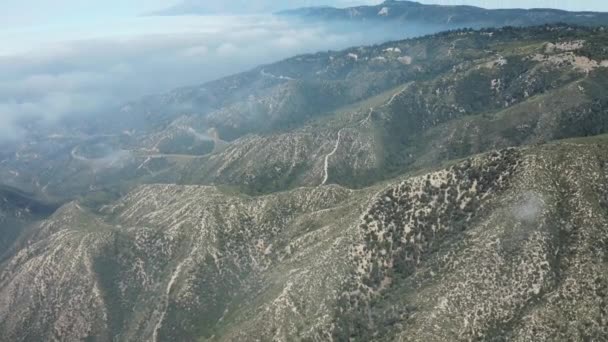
{"x":454,"y":16}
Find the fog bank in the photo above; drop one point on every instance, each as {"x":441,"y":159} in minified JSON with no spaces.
{"x":93,"y":70}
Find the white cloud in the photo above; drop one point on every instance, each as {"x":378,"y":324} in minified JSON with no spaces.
{"x":255,"y":6}
{"x":530,"y":207}
{"x":227,"y":50}
{"x":195,"y":51}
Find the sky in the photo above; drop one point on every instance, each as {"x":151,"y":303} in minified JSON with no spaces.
{"x":64,"y":57}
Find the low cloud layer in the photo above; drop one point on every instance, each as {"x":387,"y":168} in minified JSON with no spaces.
{"x":254,"y":6}
{"x":89,"y":75}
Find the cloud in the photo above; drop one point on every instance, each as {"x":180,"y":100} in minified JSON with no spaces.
{"x":530,"y":208}
{"x":93,"y":76}
{"x":253,"y":6}
{"x":195,"y":51}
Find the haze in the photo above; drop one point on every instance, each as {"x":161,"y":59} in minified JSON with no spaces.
{"x":69,"y":57}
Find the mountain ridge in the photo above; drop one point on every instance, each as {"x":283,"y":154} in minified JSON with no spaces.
{"x":454,"y":16}
{"x":195,"y":134}
{"x":324,"y":239}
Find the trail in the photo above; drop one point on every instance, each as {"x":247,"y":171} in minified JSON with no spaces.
{"x":397,"y":94}
{"x":175,"y":156}
{"x":280,"y":77}
{"x":368,"y":119}
{"x":453,"y":46}
{"x":329,"y":155}
{"x":360,"y":123}
{"x":78,"y":157}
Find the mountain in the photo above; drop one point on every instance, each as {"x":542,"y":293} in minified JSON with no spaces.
{"x":447,"y":187}
{"x":507,"y":245}
{"x":382,"y":110}
{"x":448,"y":16}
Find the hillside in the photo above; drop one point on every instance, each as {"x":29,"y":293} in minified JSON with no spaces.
{"x":404,"y":106}
{"x":382,"y":110}
{"x":503,"y":245}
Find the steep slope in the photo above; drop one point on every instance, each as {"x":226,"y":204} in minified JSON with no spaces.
{"x":460,"y":93}
{"x":506,"y":248}
{"x":166,"y":262}
{"x":507,"y":245}
{"x":448,"y":16}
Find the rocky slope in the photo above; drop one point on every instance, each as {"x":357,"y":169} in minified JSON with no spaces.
{"x":507,"y":245}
